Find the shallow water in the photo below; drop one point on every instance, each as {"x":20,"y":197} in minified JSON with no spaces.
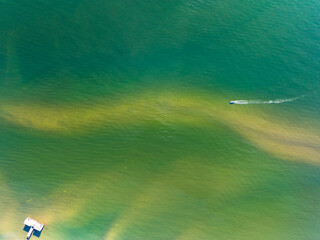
{"x":115,"y":120}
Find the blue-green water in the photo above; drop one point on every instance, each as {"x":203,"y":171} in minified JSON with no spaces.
{"x":115,"y":120}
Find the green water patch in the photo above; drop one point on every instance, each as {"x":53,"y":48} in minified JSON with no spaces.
{"x":115,"y":122}
{"x":169,"y":107}
{"x":138,"y":182}
{"x":231,"y":44}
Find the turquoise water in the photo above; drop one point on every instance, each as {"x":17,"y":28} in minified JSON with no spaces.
{"x":115,"y":120}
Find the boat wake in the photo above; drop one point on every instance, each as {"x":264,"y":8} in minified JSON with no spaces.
{"x":276,"y":101}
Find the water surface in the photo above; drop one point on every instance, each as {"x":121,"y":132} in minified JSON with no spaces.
{"x":115,"y":120}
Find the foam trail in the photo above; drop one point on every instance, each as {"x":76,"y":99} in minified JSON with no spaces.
{"x":276,"y":101}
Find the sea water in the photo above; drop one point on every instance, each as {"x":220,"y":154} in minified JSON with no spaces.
{"x":115,"y":122}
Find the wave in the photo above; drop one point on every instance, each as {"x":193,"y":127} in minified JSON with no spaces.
{"x":276,"y":101}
